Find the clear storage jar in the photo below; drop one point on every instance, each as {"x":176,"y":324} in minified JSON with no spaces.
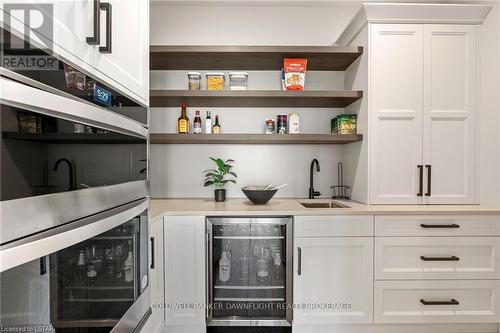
{"x":194,"y":80}
{"x":215,"y":81}
{"x":238,"y":80}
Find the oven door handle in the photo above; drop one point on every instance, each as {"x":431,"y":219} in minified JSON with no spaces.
{"x":44,"y":243}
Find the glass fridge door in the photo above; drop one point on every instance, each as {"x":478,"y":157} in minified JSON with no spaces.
{"x":249,"y":261}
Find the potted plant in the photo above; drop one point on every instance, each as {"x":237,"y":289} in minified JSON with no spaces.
{"x":219,"y":177}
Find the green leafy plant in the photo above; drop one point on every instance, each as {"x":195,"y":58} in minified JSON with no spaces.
{"x":219,"y":177}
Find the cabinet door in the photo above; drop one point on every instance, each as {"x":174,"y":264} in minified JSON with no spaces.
{"x":396,"y":62}
{"x":449,"y":112}
{"x":156,"y":275}
{"x":127,"y":63}
{"x":185,"y":270}
{"x":62,"y":26}
{"x":333,"y":280}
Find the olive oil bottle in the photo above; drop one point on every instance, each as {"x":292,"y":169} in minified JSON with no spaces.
{"x":183,"y":121}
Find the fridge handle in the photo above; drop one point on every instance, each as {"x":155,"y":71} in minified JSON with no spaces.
{"x":208,"y":243}
{"x":299,"y":261}
{"x":152,"y":239}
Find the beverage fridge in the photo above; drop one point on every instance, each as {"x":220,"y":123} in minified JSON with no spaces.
{"x":249,"y":275}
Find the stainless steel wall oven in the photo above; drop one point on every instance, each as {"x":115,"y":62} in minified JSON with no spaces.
{"x":74,"y":198}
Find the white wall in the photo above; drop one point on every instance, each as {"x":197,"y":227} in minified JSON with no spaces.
{"x":299,"y":23}
{"x":176,"y":170}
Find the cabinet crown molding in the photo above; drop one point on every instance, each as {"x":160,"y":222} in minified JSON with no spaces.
{"x":416,"y":13}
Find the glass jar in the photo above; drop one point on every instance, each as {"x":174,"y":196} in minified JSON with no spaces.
{"x":194,"y":81}
{"x":215,"y":81}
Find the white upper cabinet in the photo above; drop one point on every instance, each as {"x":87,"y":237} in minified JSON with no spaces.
{"x":422,"y":110}
{"x":127,"y":61}
{"x":449,"y":113}
{"x":396,"y":112}
{"x":124,"y":67}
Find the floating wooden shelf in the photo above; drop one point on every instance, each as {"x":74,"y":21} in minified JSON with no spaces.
{"x":322,"y":139}
{"x":319,"y":58}
{"x":254,"y":98}
{"x":73,"y":137}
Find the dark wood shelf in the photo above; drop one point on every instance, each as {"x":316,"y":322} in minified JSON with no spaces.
{"x":113,"y":138}
{"x":254,"y":98}
{"x":319,"y":58}
{"x":322,"y":139}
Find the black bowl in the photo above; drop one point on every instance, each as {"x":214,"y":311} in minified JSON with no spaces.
{"x":258,"y":195}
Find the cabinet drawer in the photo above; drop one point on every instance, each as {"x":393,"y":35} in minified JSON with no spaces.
{"x":445,"y":301}
{"x":437,"y":225}
{"x":437,"y":258}
{"x":324,"y":226}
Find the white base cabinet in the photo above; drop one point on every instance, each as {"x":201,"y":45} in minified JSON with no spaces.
{"x":156,"y":321}
{"x":333,"y":280}
{"x":185,"y":273}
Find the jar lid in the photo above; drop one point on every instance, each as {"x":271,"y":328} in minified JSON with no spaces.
{"x":238,"y":74}
{"x":215,"y":74}
{"x":194,"y":74}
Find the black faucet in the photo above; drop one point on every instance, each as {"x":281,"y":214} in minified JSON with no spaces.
{"x":312,"y":192}
{"x":71,"y":173}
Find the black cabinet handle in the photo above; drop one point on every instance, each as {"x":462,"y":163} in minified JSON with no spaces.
{"x":95,"y":38}
{"x":451,"y":258}
{"x":450,"y":302}
{"x":107,"y":48}
{"x":429,"y":178}
{"x":43,"y":266}
{"x":152,"y":239}
{"x":299,"y":261}
{"x":440,"y":226}
{"x":421,"y":180}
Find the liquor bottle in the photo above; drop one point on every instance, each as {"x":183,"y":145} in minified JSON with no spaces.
{"x":91,"y":273}
{"x":262,"y":267}
{"x":110,"y":263}
{"x":208,"y":123}
{"x":216,"y":128}
{"x":96,"y":258}
{"x":224,"y":267}
{"x":128,"y":266}
{"x":197,"y":124}
{"x":80,"y":268}
{"x":119,"y":260}
{"x":183,"y":121}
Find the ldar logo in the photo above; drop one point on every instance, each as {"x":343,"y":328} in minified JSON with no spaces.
{"x":27,"y":36}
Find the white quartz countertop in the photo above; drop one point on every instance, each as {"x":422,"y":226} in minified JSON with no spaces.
{"x":242,"y":206}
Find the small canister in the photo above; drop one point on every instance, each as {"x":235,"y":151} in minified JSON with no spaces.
{"x":269,"y":129}
{"x":194,"y":80}
{"x":294,"y":123}
{"x":282,"y":124}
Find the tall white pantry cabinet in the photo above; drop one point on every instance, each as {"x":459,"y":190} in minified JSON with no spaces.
{"x":423,"y":106}
{"x":419,"y":72}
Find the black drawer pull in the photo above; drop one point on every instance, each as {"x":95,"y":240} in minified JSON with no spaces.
{"x":440,"y":226}
{"x":451,"y":258}
{"x":450,"y":302}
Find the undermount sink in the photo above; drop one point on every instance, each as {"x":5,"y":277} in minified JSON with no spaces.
{"x":332,"y":204}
